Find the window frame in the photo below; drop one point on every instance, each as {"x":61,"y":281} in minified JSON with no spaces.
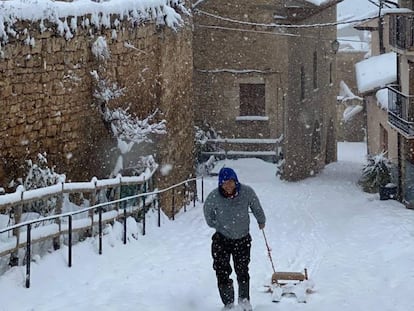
{"x":252,"y":99}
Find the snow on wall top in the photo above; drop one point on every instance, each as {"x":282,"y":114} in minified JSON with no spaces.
{"x":376,"y":72}
{"x":137,"y":11}
{"x":317,"y":2}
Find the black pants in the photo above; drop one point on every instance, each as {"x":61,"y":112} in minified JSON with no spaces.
{"x":221,"y":249}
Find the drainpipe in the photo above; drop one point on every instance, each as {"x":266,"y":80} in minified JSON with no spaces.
{"x":400,"y":167}
{"x":381,"y":28}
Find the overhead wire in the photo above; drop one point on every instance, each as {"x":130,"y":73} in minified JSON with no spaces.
{"x":275,"y":25}
{"x":274,"y":33}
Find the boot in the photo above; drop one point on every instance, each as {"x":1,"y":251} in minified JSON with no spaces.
{"x":245,"y":305}
{"x":227,"y":294}
{"x":244,"y":290}
{"x":228,"y":307}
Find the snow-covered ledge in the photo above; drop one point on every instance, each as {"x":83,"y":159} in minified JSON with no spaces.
{"x":64,"y":15}
{"x":252,"y":118}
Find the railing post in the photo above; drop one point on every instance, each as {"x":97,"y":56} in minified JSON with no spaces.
{"x":202,"y":189}
{"x":56,"y":240}
{"x":93,"y":202}
{"x":157,"y":202}
{"x":173,"y":204}
{"x":14,"y":257}
{"x":144,"y":208}
{"x":100,"y":230}
{"x":118,"y":194}
{"x":28,"y":255}
{"x":185,"y":197}
{"x":159,"y":213}
{"x":195,"y":192}
{"x":125,"y":225}
{"x":70,"y":242}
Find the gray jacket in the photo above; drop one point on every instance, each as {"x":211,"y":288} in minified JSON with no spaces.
{"x":230,"y":216}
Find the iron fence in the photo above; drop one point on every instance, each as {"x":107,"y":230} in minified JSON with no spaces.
{"x":97,"y":214}
{"x":401,"y":111}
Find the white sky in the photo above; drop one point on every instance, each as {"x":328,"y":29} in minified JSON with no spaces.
{"x":354,"y":7}
{"x":358,"y":251}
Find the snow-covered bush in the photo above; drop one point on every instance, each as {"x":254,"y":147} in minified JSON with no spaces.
{"x":376,"y":173}
{"x":204,"y":165}
{"x":39,"y":175}
{"x":201,"y":138}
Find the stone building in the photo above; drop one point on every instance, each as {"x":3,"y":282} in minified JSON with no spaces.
{"x":401,"y":95}
{"x":380,"y":136}
{"x":390,"y":126}
{"x":354,"y":47}
{"x":46,"y":89}
{"x":254,"y":80}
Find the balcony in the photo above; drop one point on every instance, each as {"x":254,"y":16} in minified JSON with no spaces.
{"x":401,"y":112}
{"x":402,"y":32}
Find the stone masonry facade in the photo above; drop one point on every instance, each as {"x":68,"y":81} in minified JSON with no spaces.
{"x":47,"y":103}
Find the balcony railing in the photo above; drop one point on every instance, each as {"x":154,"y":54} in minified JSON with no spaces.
{"x":402,"y":32}
{"x":400,"y":112}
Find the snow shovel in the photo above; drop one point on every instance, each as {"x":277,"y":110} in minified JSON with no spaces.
{"x":282,"y":278}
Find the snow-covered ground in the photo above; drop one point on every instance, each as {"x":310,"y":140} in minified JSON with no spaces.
{"x":358,"y":251}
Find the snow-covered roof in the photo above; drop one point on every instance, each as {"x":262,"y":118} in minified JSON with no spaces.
{"x":161,"y":11}
{"x":376,"y":72}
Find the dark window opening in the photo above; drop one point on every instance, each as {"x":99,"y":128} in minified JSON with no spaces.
{"x":315,"y":70}
{"x":252,"y":100}
{"x":302,"y":82}
{"x":330,"y":73}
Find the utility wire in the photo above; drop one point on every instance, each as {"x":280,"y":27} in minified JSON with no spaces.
{"x":273,"y":33}
{"x":246,"y":30}
{"x":274,"y":25}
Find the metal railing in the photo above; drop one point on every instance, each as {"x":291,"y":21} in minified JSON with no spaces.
{"x":400,"y":111}
{"x":401,"y":34}
{"x":240,"y":147}
{"x":96,"y":220}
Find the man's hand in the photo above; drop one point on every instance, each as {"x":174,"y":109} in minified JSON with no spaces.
{"x":261,"y":226}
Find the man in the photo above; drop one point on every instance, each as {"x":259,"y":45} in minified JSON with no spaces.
{"x":226,"y":209}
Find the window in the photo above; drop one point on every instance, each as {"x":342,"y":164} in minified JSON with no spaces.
{"x":252,"y":100}
{"x":330,"y":73}
{"x":315,"y":70}
{"x":302,"y":82}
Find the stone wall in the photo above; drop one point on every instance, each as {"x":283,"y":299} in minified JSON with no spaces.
{"x":353,"y":130}
{"x":310,"y":116}
{"x":47,"y":103}
{"x":234,"y":55}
